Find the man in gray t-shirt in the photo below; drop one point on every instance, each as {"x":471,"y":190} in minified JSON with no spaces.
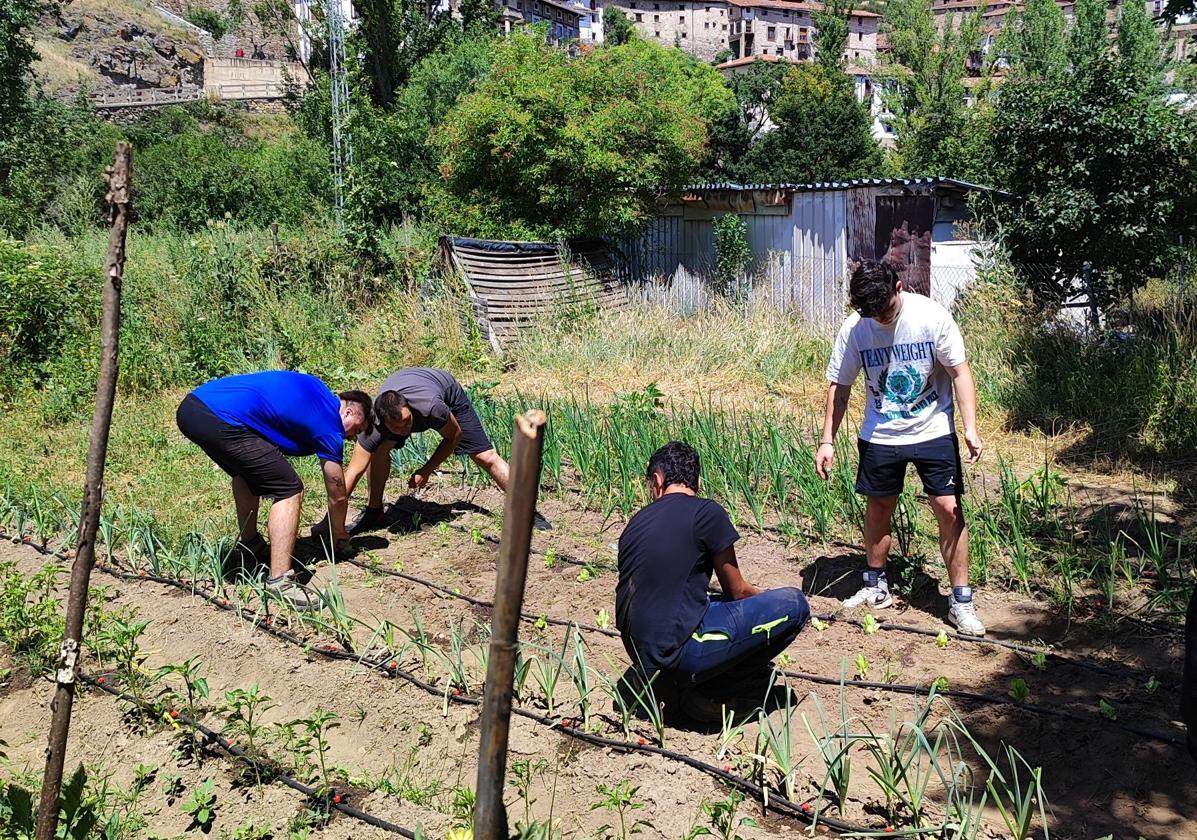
{"x":411,"y":401}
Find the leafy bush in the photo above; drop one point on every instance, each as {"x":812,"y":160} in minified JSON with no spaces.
{"x":732,"y":252}
{"x":39,"y":295}
{"x":209,"y":20}
{"x":551,"y":146}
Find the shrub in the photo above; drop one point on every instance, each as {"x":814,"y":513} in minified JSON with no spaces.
{"x":39,"y":298}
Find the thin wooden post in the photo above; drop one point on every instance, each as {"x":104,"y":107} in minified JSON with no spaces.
{"x":89,"y":517}
{"x":490,"y":816}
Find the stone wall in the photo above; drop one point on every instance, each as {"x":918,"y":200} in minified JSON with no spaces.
{"x":699,"y":28}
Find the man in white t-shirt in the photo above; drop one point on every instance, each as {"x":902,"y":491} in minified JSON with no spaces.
{"x":911,"y":353}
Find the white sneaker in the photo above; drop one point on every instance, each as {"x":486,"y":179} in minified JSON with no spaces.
{"x":964,"y":616}
{"x":870,"y":596}
{"x":298,"y":596}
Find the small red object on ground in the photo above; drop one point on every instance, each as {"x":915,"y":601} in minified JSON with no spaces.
{"x":174,"y":715}
{"x":889,"y":829}
{"x":457,"y":692}
{"x":727,"y":768}
{"x":806,"y":807}
{"x":392,"y":665}
{"x":337,"y":798}
{"x":141,"y":573}
{"x":642,"y":742}
{"x":101,"y":680}
{"x":568,"y":723}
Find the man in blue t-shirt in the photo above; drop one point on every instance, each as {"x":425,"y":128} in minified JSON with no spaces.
{"x":247,"y":424}
{"x":669,"y":624}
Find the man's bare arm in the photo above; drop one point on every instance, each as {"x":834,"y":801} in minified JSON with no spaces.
{"x":338,"y":500}
{"x":966,"y":398}
{"x":833,"y":415}
{"x":730,"y":580}
{"x":450,"y":437}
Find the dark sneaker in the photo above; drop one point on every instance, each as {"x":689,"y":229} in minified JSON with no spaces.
{"x":367,"y":520}
{"x":299,"y":597}
{"x":539,"y":522}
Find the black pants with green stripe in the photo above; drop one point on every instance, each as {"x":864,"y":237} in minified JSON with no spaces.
{"x":742,"y":635}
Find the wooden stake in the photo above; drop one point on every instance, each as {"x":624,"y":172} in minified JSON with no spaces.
{"x":490,"y":816}
{"x":89,"y":518}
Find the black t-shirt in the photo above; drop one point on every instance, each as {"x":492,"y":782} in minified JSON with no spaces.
{"x":665,"y":566}
{"x":431,"y":394}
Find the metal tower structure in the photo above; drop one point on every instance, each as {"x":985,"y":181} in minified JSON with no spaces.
{"x":342,"y":141}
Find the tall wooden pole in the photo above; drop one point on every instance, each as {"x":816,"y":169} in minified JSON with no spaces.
{"x":490,"y":816}
{"x":97,"y":450}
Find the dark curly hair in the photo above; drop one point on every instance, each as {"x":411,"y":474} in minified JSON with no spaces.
{"x":872,"y":287}
{"x":677,"y":462}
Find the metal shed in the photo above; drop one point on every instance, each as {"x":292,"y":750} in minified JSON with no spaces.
{"x":802,"y":237}
{"x":512,"y":285}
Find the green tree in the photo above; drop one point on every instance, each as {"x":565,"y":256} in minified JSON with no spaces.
{"x":1101,"y":169}
{"x":831,"y":33}
{"x":17,"y":18}
{"x":734,"y":131}
{"x":823,"y":132}
{"x":926,"y":69}
{"x":550,"y":146}
{"x":1140,"y":50}
{"x":618,"y":28}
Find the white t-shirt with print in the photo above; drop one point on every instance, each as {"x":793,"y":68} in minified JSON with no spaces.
{"x":910,"y":392}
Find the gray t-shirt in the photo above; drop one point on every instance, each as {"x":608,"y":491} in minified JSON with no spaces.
{"x":431,"y":394}
{"x":910,"y":392}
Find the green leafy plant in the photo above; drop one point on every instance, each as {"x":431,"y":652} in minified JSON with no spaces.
{"x":724,"y":819}
{"x":1019,"y":690}
{"x":621,"y":799}
{"x":201,"y":806}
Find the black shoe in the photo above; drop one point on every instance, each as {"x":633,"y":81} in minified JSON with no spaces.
{"x":366,"y":520}
{"x":539,"y":522}
{"x":254,"y":552}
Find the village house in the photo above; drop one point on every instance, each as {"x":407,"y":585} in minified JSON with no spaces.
{"x":699,"y":28}
{"x":787,"y":30}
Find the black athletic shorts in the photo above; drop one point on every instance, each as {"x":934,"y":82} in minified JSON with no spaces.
{"x":882,"y":470}
{"x":473,"y":436}
{"x":239,"y":451}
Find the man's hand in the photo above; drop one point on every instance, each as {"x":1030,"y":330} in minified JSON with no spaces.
{"x":418,"y":480}
{"x":824,"y":458}
{"x":975,"y":445}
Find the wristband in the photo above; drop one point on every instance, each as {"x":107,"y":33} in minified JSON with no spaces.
{"x":827,"y":443}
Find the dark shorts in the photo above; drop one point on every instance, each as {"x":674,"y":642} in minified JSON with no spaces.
{"x":473,"y":436}
{"x":240,"y":452}
{"x":882,"y":470}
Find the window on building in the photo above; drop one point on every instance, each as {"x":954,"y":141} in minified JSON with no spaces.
{"x":772,"y":33}
{"x":725,"y":27}
{"x":681,"y":19}
{"x":706,"y":24}
{"x":656,"y":5}
{"x":657,"y":35}
{"x":639,"y":18}
{"x":859,"y":36}
{"x":683,"y":34}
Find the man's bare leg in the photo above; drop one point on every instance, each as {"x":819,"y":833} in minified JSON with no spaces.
{"x":953,"y":537}
{"x":495,"y":466}
{"x":283,"y":523}
{"x":379,"y":472}
{"x":879,"y":513}
{"x":247,"y":510}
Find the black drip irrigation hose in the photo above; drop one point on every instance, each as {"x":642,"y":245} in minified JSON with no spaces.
{"x":898,"y":688}
{"x":1131,"y":674}
{"x":265,"y":768}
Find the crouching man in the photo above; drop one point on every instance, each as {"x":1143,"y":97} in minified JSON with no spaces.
{"x":668,"y":623}
{"x":246,"y":424}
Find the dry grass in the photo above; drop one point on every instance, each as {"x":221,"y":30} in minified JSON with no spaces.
{"x":56,"y":69}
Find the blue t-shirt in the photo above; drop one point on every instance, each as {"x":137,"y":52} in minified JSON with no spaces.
{"x":294,"y":411}
{"x":666,"y":555}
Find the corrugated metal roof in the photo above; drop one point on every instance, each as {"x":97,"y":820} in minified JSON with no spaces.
{"x":932,"y":181}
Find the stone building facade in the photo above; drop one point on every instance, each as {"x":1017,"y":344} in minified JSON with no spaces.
{"x":700,"y":28}
{"x":787,"y":30}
